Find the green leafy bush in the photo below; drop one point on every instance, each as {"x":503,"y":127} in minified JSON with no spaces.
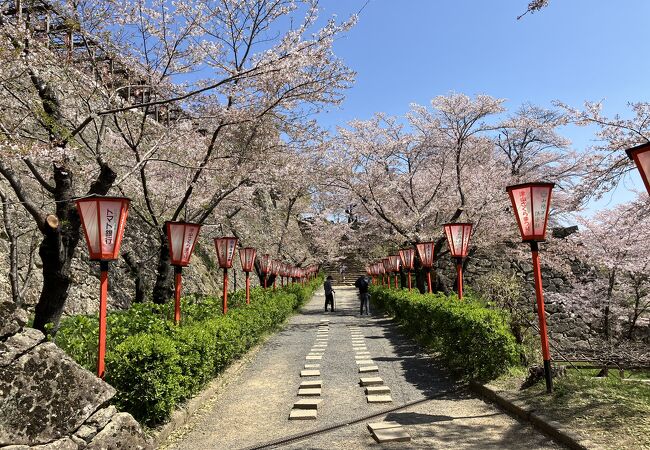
{"x":474,"y":341}
{"x":154,"y":365}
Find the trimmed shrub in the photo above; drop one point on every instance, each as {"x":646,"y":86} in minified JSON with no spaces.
{"x":474,"y":341}
{"x":154,"y":365}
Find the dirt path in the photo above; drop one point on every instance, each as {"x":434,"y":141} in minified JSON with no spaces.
{"x":254,"y":409}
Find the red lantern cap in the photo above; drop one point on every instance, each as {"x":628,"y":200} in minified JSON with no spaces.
{"x":275,"y":267}
{"x":103,"y":220}
{"x":386,"y":263}
{"x":641,"y":157}
{"x":247,"y":258}
{"x":458,"y":235}
{"x":225,"y":250}
{"x":531,"y":203}
{"x":407,"y":257}
{"x":425,"y":252}
{"x":182,"y":237}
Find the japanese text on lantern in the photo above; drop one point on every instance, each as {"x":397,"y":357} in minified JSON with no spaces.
{"x":189,"y":241}
{"x":523,"y":208}
{"x":109,"y":226}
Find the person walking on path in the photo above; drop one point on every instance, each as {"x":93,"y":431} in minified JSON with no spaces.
{"x":329,"y":293}
{"x":362,"y":284}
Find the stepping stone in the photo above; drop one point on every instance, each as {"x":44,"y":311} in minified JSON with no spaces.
{"x":309,"y":391}
{"x":360,"y":349}
{"x":391,"y":435}
{"x":374,"y":426}
{"x":302,"y":414}
{"x":374,"y":390}
{"x":383,"y":398}
{"x":325,"y":320}
{"x":365,"y":362}
{"x":367,"y":369}
{"x":311,"y":384}
{"x":316,"y":351}
{"x":319,"y":345}
{"x":312,"y":366}
{"x":370,"y":381}
{"x":313,"y":357}
{"x":307,"y":403}
{"x":310,"y":373}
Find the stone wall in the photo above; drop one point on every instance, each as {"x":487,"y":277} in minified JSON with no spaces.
{"x":48,"y":402}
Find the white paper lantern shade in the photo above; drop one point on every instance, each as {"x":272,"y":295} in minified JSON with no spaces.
{"x":458,"y":235}
{"x":247,"y":258}
{"x":425,"y":252}
{"x":225,"y":251}
{"x":103,"y":220}
{"x":531,"y":203}
{"x":182,"y":238}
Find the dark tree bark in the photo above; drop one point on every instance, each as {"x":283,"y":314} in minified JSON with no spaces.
{"x":163,"y":289}
{"x":135,"y":269}
{"x":61,"y":235}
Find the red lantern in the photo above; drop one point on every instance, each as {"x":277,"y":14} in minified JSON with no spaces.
{"x":225,"y":254}
{"x":531,"y":203}
{"x":247,"y":258}
{"x":407,"y":257}
{"x":387,"y":269}
{"x":265,"y":266}
{"x":394,"y":266}
{"x":641,"y":157}
{"x":103,"y":220}
{"x":458,"y":238}
{"x":425,"y":252}
{"x":458,"y":235}
{"x":181,"y":237}
{"x":275,"y":270}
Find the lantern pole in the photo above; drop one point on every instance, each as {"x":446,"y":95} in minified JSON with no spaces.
{"x":408,"y":273}
{"x":541,"y":314}
{"x":429,"y":279}
{"x":178,"y":277}
{"x":103,"y":295}
{"x":265,"y":276}
{"x":459,"y":276}
{"x":225,"y":290}
{"x":248,"y":288}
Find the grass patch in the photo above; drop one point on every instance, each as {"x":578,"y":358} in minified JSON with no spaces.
{"x":609,"y":411}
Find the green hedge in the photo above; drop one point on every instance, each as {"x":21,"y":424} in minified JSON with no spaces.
{"x":154,"y":365}
{"x":474,"y":341}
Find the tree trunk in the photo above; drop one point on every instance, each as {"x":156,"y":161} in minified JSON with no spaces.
{"x":163,"y":289}
{"x":135,"y":269}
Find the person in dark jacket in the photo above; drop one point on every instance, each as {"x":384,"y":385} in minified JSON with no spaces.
{"x":363,"y":284}
{"x":329,"y":292}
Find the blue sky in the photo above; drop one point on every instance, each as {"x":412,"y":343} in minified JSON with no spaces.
{"x":412,"y":50}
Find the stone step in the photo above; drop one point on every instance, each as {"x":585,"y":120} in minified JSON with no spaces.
{"x":370,"y":381}
{"x":377,"y":390}
{"x":302,"y":414}
{"x":385,"y":398}
{"x":307,"y":403}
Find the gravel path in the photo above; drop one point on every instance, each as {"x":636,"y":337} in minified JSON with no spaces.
{"x":254,"y":409}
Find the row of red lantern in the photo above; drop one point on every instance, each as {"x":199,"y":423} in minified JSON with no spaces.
{"x":531,"y":204}
{"x":103,"y":220}
{"x":270,"y":266}
{"x":457,"y":234}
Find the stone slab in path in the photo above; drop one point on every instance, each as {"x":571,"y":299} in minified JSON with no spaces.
{"x":367,"y":369}
{"x":311,"y":384}
{"x":374,"y":426}
{"x":377,"y":390}
{"x":310,"y":373}
{"x":312,"y":366}
{"x":364,"y":362}
{"x":307,"y":403}
{"x":391,"y":435}
{"x":371,"y":381}
{"x":309,"y":391}
{"x":314,"y":357}
{"x":379,"y":398}
{"x":303,"y":414}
